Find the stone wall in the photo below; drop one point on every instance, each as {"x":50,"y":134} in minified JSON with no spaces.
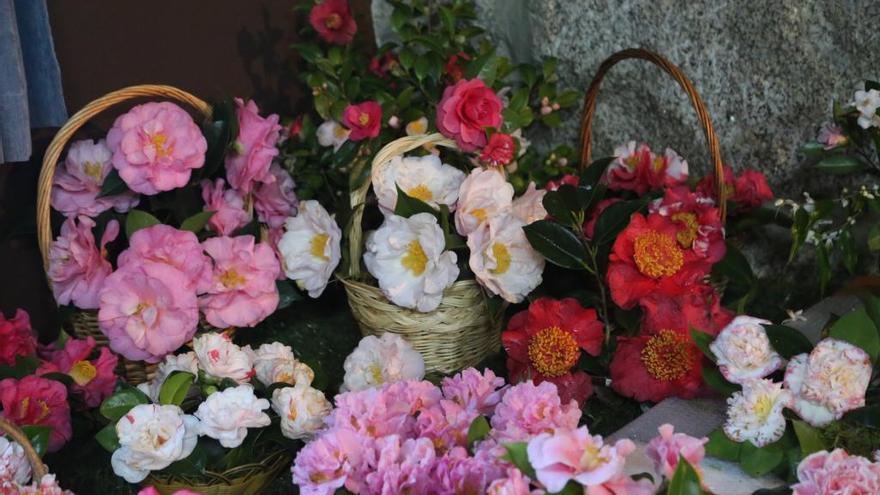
{"x":767,"y":70}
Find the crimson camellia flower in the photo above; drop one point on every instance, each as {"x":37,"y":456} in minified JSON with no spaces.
{"x":499,"y":150}
{"x":17,"y":337}
{"x":748,"y":190}
{"x":699,"y":307}
{"x":654,"y":367}
{"x":698,"y":221}
{"x":647,"y":259}
{"x":38,"y":401}
{"x":544,"y":343}
{"x":453,"y":67}
{"x":363,"y":119}
{"x":333,"y":21}
{"x":466,"y":110}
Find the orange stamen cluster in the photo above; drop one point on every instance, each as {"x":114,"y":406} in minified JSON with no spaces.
{"x":688,"y":228}
{"x":657,"y":255}
{"x":667,"y":356}
{"x":553,"y":351}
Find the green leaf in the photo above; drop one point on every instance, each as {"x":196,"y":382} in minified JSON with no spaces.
{"x":287,"y":294}
{"x":614,"y":219}
{"x":809,"y":438}
{"x":799,"y":228}
{"x":549,"y":68}
{"x":113,"y":184}
{"x":857,"y":328}
{"x":176,"y":387}
{"x":813,"y":149}
{"x":107,"y":438}
{"x":869,"y":85}
{"x":192,"y":465}
{"x":593,"y":174}
{"x":137,"y":219}
{"x":517,"y":455}
{"x":476,"y":66}
{"x":715,"y":380}
{"x":59,"y":377}
{"x":721,"y":447}
{"x":787,"y":341}
{"x":703,"y":340}
{"x":867,"y":416}
{"x":685,"y":480}
{"x":422,"y":66}
{"x":874,"y":238}
{"x":570,"y":488}
{"x":24,"y":366}
{"x":556,"y":243}
{"x":840,"y":164}
{"x":38,"y":436}
{"x":406,"y":58}
{"x":760,"y":461}
{"x":575,"y":198}
{"x":735,"y":267}
{"x":554,"y":203}
{"x":478,"y":430}
{"x":118,"y":404}
{"x":408,"y":206}
{"x":197,"y":222}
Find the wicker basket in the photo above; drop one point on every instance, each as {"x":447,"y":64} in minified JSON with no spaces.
{"x":85,"y":323}
{"x":38,"y":469}
{"x":249,"y":479}
{"x":684,"y":82}
{"x":461,"y":332}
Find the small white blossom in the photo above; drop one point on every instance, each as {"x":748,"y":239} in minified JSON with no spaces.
{"x":226,"y":416}
{"x":794,"y":316}
{"x":151,"y":437}
{"x":14,"y":464}
{"x":310,"y":247}
{"x":743,"y":350}
{"x":302,"y":410}
{"x":220,"y":358}
{"x":755,"y":413}
{"x":503,"y":260}
{"x":330,"y":133}
{"x":421,"y":177}
{"x":376,"y":361}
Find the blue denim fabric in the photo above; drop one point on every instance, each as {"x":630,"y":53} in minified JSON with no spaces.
{"x":30,"y":80}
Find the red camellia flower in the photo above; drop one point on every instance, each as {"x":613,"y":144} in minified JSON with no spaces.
{"x":453,"y":66}
{"x":466,"y":110}
{"x":16,"y":337}
{"x":699,"y":307}
{"x":93,"y":379}
{"x":295,"y":127}
{"x":637,"y":168}
{"x":544,"y":343}
{"x":654,"y":367}
{"x":333,"y":21}
{"x":381,"y":65}
{"x":698,"y":221}
{"x":748,"y":190}
{"x":499,"y":150}
{"x":363,"y":119}
{"x":571,"y":180}
{"x":648,"y":259}
{"x":39,"y":402}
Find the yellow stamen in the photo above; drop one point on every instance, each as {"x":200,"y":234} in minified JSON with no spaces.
{"x":415,"y":259}
{"x":317,"y":246}
{"x":666,"y":356}
{"x":657,"y":255}
{"x":159,"y":145}
{"x":421,"y":192}
{"x":82,"y":372}
{"x":553,"y":351}
{"x":93,"y":170}
{"x":502,"y":258}
{"x":231,"y":279}
{"x":375,"y":371}
{"x":687,"y":233}
{"x":363,"y":118}
{"x":480,"y":214}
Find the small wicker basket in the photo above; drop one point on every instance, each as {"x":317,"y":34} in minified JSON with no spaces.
{"x":461,"y":332}
{"x":248,"y":479}
{"x":38,"y":469}
{"x":85,"y":323}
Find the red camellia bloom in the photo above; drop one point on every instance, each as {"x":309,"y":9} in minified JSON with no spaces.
{"x":544,"y":343}
{"x":296,"y":127}
{"x":381,"y":65}
{"x":748,"y":190}
{"x":499,"y":150}
{"x":363,"y":119}
{"x":453,"y":66}
{"x":698,"y":221}
{"x":648,"y":259}
{"x":333,"y":21}
{"x":699,"y":307}
{"x":466,"y":110}
{"x":39,"y":402}
{"x":16,"y":337}
{"x":93,"y":379}
{"x":571,"y":180}
{"x":654,"y":367}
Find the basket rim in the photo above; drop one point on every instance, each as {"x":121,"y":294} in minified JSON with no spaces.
{"x":271,"y":463}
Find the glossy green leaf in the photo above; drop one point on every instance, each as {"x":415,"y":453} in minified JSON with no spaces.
{"x":408,"y":206}
{"x":176,"y":387}
{"x":554,"y":203}
{"x":556,"y":243}
{"x":476,"y":66}
{"x":517,"y":455}
{"x":118,"y":404}
{"x":24,"y":366}
{"x":59,"y":377}
{"x":107,"y":437}
{"x":715,"y":380}
{"x":812,"y":149}
{"x":809,"y":438}
{"x":478,"y":430}
{"x":857,"y":328}
{"x":703,"y":340}
{"x":614,"y":219}
{"x":593,"y":174}
{"x":38,"y":436}
{"x":840,"y":164}
{"x":113,"y":184}
{"x":874,"y":238}
{"x":287,"y":293}
{"x":197,"y":222}
{"x":721,"y":447}
{"x":787,"y":341}
{"x":685,"y":480}
{"x":760,"y":461}
{"x":735,"y":267}
{"x":136,"y":220}
{"x":799,"y":228}
{"x":574,"y":198}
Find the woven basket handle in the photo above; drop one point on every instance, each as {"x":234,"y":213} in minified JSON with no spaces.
{"x":359,"y":195}
{"x":67,"y":131}
{"x":684,"y":82}
{"x":14,"y":432}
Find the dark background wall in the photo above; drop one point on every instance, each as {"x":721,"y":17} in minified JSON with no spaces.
{"x":212,"y":48}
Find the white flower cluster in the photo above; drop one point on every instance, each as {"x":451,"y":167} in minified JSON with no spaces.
{"x":820,"y":386}
{"x":867,"y":103}
{"x":153,"y":436}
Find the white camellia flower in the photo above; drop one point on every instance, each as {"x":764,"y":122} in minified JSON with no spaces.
{"x":302,"y":410}
{"x":310,"y":247}
{"x":503,"y":260}
{"x":275,"y":363}
{"x":755,"y":413}
{"x":379,"y":360}
{"x":14,"y":464}
{"x":828,"y":382}
{"x":483,"y":195}
{"x":330,"y":133}
{"x":220,"y":358}
{"x":421,"y":177}
{"x":225,"y":416}
{"x":407,"y":257}
{"x":179,"y":362}
{"x":417,"y":127}
{"x":151,"y":437}
{"x":866,"y":103}
{"x":743,"y":350}
{"x":530,"y":207}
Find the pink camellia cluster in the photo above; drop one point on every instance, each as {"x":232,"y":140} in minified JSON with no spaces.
{"x":227,"y":204}
{"x":255,"y":148}
{"x":837,"y":473}
{"x":77,"y":266}
{"x":17,"y":337}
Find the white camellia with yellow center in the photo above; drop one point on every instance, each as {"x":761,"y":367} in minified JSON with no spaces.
{"x":503,"y":260}
{"x":310,"y":247}
{"x":755,"y":413}
{"x":151,"y":437}
{"x":484,"y":195}
{"x":331,"y":133}
{"x":302,"y":410}
{"x":743,"y":350}
{"x":407,"y":257}
{"x":423,"y":177}
{"x":380,"y":360}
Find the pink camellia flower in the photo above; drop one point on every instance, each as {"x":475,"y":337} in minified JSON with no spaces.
{"x":831,"y":136}
{"x":177,"y":248}
{"x":36,"y":401}
{"x":77,"y":267}
{"x":148,"y":310}
{"x":475,"y":391}
{"x":333,"y":21}
{"x":329,"y":463}
{"x":499,"y":150}
{"x":402,"y":465}
{"x":515,"y":483}
{"x":466,"y":110}
{"x":456,"y":472}
{"x":446,"y":424}
{"x":275,"y":201}
{"x":47,"y":485}
{"x":363,"y":120}
{"x":17,"y":337}
{"x":666,"y":449}
{"x":576,"y":455}
{"x":155,"y":147}
{"x":227,"y":205}
{"x":528,"y":409}
{"x":255,"y":147}
{"x":837,"y":473}
{"x":697,"y":220}
{"x":627,"y":171}
{"x":93,"y":379}
{"x":243,"y":290}
{"x":77,"y":183}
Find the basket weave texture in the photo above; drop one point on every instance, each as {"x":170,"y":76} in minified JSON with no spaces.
{"x":461,"y":332}
{"x":85,"y":323}
{"x":248,"y":479}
